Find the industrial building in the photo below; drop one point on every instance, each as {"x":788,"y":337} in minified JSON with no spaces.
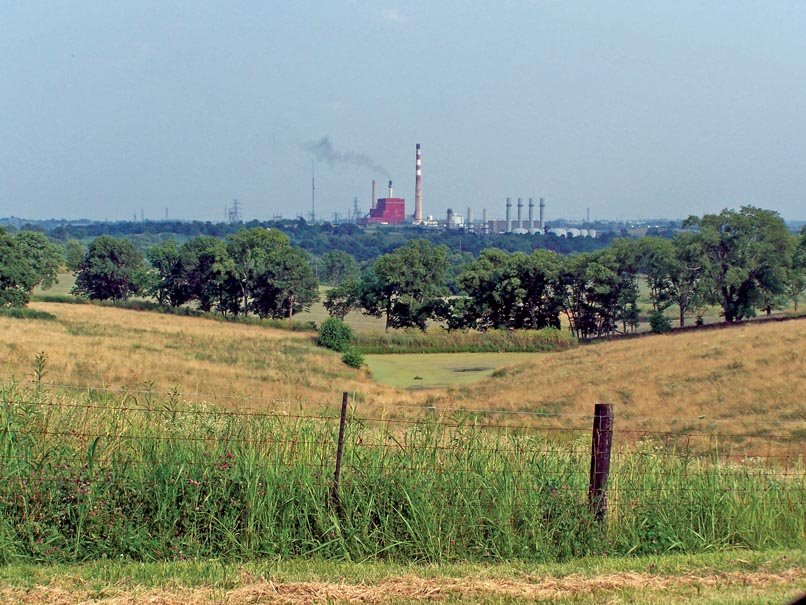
{"x":386,"y":210}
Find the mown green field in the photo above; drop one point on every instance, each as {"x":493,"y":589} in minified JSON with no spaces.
{"x":439,"y":370}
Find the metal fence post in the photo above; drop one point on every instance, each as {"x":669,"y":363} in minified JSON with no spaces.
{"x":601,"y":447}
{"x":334,"y":493}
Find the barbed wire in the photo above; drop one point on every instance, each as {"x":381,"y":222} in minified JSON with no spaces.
{"x":424,"y":408}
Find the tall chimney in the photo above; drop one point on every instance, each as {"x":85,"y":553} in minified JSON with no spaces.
{"x":542,"y":205}
{"x":372,"y":202}
{"x":418,"y":187}
{"x":520,"y":213}
{"x":484,"y":220}
{"x":469,"y":217}
{"x":531,"y":214}
{"x":509,"y":215}
{"x":390,"y":188}
{"x":449,"y":219}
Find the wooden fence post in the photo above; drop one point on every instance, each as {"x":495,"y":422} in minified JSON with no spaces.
{"x":334,"y":493}
{"x":601,"y":447}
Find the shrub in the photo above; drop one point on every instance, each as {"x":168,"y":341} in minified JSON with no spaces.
{"x":335,"y":334}
{"x":353,"y":358}
{"x":438,"y":340}
{"x":659,"y":323}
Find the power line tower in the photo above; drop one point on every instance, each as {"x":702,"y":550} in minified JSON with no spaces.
{"x":234,"y":212}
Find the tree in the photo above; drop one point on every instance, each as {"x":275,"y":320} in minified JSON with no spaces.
{"x":796,"y":276}
{"x":337,"y":267}
{"x":286,"y":286}
{"x":656,"y":260}
{"x":170,"y":284}
{"x":44,"y":256}
{"x":17,"y":275}
{"x":599,"y":290}
{"x":685,"y":274}
{"x":405,"y":284}
{"x":249,"y":254}
{"x":111,"y":269}
{"x":746,"y":257}
{"x":342,"y":299}
{"x":510,"y":291}
{"x":74,"y":252}
{"x":203,"y":258}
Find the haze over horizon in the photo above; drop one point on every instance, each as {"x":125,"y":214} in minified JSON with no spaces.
{"x":632,"y":109}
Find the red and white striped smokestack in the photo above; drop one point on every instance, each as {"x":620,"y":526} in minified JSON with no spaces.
{"x":373,"y":202}
{"x":418,"y":188}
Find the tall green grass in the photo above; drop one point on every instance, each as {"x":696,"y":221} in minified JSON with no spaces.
{"x":98,"y":476}
{"x":438,"y":340}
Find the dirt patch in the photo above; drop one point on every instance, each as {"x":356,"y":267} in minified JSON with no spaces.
{"x":409,"y":587}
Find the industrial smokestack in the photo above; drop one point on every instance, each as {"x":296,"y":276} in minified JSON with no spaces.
{"x":509,"y":215}
{"x":531,"y":214}
{"x":542,"y":206}
{"x":372,"y":202}
{"x":469,"y":216}
{"x":484,"y":220}
{"x":449,"y":219}
{"x":520,"y":213}
{"x":418,"y":187}
{"x":390,"y":189}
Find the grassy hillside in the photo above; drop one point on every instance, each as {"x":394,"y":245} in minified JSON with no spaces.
{"x":750,"y":378}
{"x":207,"y":360}
{"x":753,"y":375}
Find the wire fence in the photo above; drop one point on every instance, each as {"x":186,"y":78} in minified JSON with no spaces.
{"x":377,"y":442}
{"x":92,"y":473}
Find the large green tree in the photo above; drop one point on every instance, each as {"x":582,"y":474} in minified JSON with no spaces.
{"x":73,"y":252}
{"x":796,"y":276}
{"x":17,"y":275}
{"x":203,"y":259}
{"x":287,"y":286}
{"x":170,"y":283}
{"x":511,"y":290}
{"x":337,"y":267}
{"x":746,"y":255}
{"x":405,"y":284}
{"x":45,"y":257}
{"x":599,"y":291}
{"x":249,"y":254}
{"x":112,"y":269}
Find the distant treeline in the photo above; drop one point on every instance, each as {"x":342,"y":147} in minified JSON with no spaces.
{"x":741,"y":261}
{"x":317,"y":239}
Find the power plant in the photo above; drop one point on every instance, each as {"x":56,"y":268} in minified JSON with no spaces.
{"x":391,"y":210}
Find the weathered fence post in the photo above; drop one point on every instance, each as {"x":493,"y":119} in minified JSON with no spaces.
{"x":601,"y":446}
{"x":334,"y":493}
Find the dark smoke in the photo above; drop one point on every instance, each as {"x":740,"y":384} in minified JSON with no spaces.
{"x":324,"y":151}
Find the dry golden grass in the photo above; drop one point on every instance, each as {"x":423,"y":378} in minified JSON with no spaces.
{"x":726,"y":380}
{"x":745,"y":376}
{"x":206,"y":360}
{"x":621,"y":587}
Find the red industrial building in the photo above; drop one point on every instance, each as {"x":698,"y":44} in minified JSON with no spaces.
{"x":387,"y":210}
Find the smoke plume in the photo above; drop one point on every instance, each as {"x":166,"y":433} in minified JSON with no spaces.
{"x":324,"y":151}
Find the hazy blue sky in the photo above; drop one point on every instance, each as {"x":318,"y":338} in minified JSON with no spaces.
{"x":629,"y":108}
